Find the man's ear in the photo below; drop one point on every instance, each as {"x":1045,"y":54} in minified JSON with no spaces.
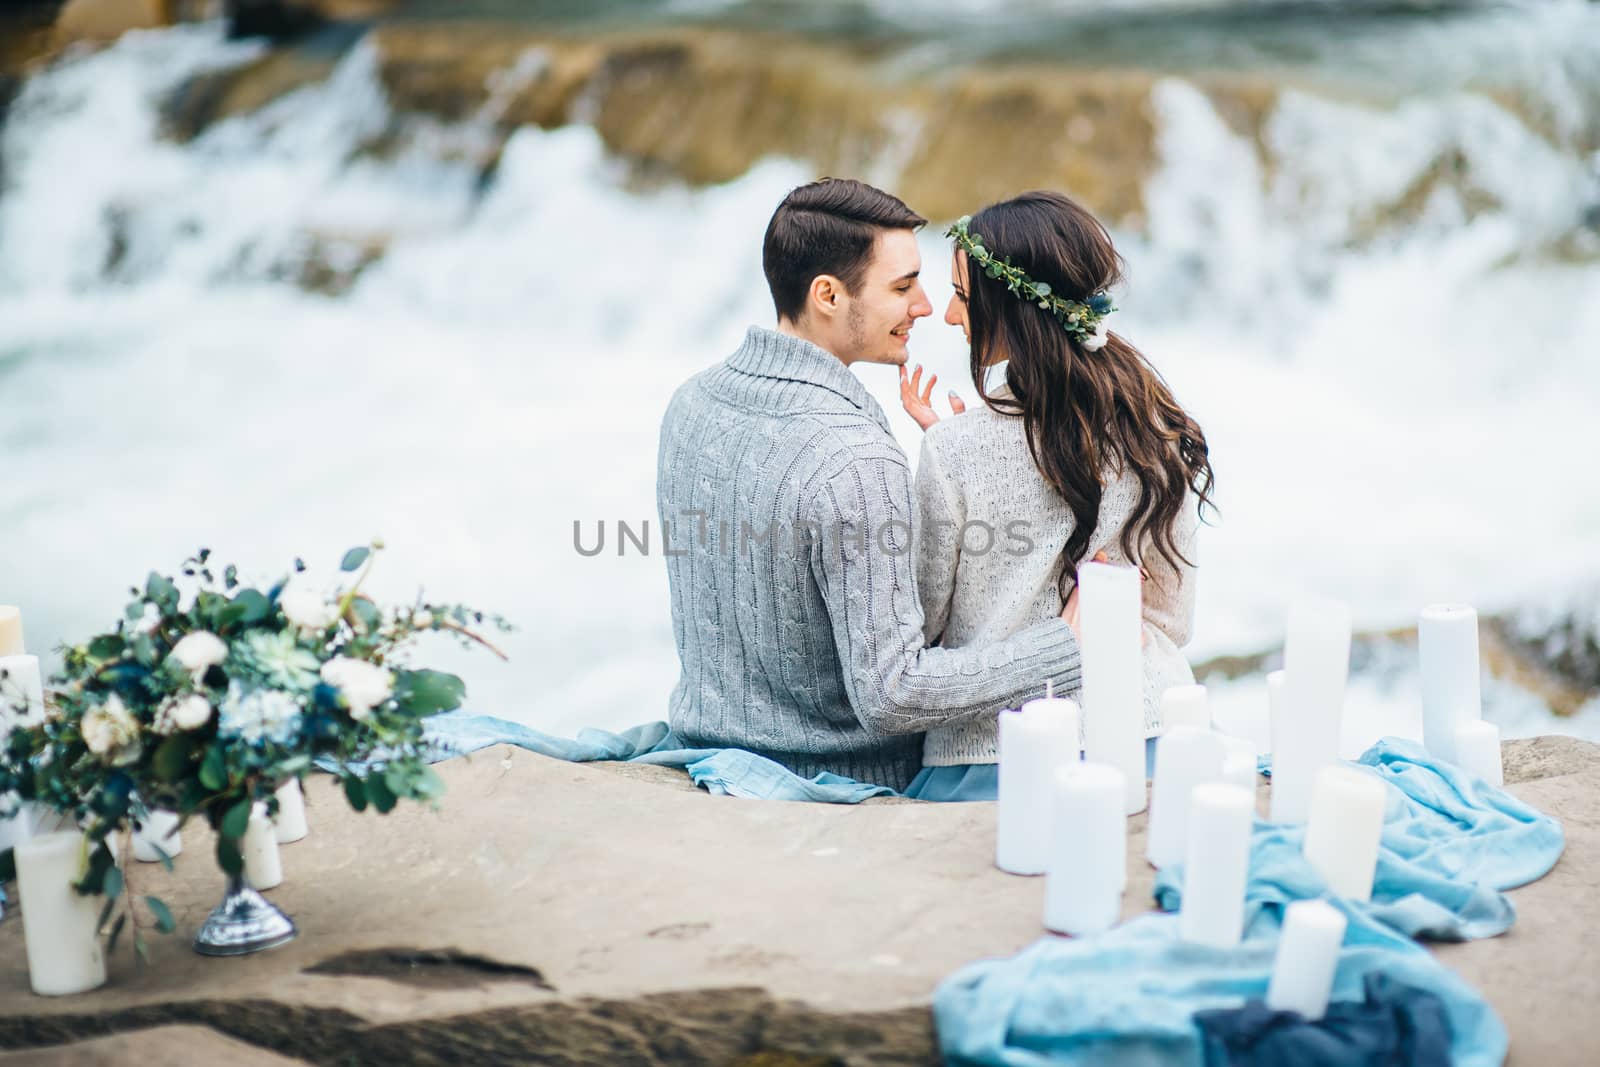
{"x":823,"y":297}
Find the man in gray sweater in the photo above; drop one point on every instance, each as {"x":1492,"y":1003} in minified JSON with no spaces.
{"x":786,"y":506}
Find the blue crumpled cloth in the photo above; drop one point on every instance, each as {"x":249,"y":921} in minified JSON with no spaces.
{"x":724,"y":771}
{"x":1450,"y":842}
{"x":1128,"y":996}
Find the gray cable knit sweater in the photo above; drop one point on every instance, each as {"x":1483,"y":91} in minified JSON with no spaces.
{"x":789,"y":531}
{"x":976,"y":468}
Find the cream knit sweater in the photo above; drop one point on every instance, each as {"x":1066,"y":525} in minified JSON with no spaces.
{"x":976,"y":469}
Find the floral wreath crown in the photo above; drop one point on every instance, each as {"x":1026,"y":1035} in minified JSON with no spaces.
{"x":1084,"y":321}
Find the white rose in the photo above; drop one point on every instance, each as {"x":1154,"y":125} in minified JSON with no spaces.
{"x":111,"y":732}
{"x":1097,"y":340}
{"x":200,"y":650}
{"x":307,"y":609}
{"x":363,"y":685}
{"x":182,"y":713}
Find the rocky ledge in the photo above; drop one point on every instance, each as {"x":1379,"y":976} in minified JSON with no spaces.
{"x":605,"y":913}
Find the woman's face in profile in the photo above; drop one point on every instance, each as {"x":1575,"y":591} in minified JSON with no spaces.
{"x":956,"y":313}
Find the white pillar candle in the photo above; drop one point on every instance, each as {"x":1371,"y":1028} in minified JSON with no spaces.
{"x":291,"y":823}
{"x":263,"y":868}
{"x":1274,"y":708}
{"x":158,"y":830}
{"x":1035,"y":742}
{"x":1113,"y":673}
{"x":21,"y":692}
{"x":1185,"y":757}
{"x":58,"y":925}
{"x":1239,"y":761}
{"x":1088,"y":865}
{"x":11,"y":630}
{"x":1316,"y":664}
{"x":1346,"y":822}
{"x":1477,"y":746}
{"x":1447,"y":642}
{"x":1185,"y":705}
{"x":1216,"y":865}
{"x":1308,"y":956}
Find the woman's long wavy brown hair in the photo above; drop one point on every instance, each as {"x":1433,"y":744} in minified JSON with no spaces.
{"x":1082,"y":411}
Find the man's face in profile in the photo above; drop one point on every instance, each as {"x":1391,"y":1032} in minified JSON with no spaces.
{"x":889,"y":300}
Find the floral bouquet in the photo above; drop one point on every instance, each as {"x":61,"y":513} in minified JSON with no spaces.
{"x":206,"y":707}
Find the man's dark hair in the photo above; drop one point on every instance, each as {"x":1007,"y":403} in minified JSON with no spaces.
{"x":826,"y":227}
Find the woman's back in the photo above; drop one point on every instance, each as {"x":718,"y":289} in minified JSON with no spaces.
{"x":992,"y":530}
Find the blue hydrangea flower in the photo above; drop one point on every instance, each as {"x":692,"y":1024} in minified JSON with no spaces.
{"x":258,"y":715}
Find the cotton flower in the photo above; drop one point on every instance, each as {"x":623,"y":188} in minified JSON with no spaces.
{"x":1097,"y":340}
{"x":363,"y":685}
{"x":182,"y":713}
{"x":308,"y":609}
{"x":111,"y":732}
{"x":200,"y":650}
{"x":259,"y":715}
{"x":149,"y":622}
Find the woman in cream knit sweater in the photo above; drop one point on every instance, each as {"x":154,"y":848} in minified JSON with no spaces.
{"x":1081,"y":454}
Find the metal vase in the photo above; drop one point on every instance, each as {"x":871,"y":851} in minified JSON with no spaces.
{"x":244,"y":922}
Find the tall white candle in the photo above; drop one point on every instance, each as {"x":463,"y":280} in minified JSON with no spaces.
{"x":1274,"y":709}
{"x":1447,"y":642}
{"x":1088,"y":863}
{"x":1239,"y":761}
{"x":1316,"y":657}
{"x":58,"y":925}
{"x":1035,"y":742}
{"x":1308,"y":956}
{"x":11,"y":643}
{"x":1185,"y":705}
{"x":291,"y":823}
{"x":263,"y":868}
{"x":1346,"y":822}
{"x":158,"y":830}
{"x":1216,"y":864}
{"x":21,"y":692}
{"x":1185,"y":757}
{"x":1477,"y":746}
{"x":1113,"y":678}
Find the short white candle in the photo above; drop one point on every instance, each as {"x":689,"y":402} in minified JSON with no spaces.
{"x":1239,"y":764}
{"x":1185,"y":757}
{"x":263,"y":868}
{"x":1316,"y":663}
{"x":1035,"y":742}
{"x":58,"y":925}
{"x":1185,"y":705}
{"x":1274,"y":708}
{"x":1113,"y":673}
{"x":1308,"y":956}
{"x":158,"y":830}
{"x":1216,"y":865}
{"x":11,"y":643}
{"x":1341,"y":842}
{"x":1447,"y":642}
{"x":1089,"y":850}
{"x":1477,"y":746}
{"x":21,"y":692}
{"x":291,"y":821}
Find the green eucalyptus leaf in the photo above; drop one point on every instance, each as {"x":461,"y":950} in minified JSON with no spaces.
{"x":105,"y":913}
{"x":380,"y":794}
{"x":163,"y":914}
{"x":166,"y":860}
{"x":237,"y":820}
{"x":354,"y":558}
{"x":228,"y":857}
{"x":355,"y":791}
{"x":398,"y":780}
{"x":427,"y":785}
{"x":116,"y":932}
{"x":107,"y":646}
{"x":111,"y":885}
{"x":141,"y":948}
{"x":428,"y":692}
{"x":214,"y":770}
{"x":172,"y":757}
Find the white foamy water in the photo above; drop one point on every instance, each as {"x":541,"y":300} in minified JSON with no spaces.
{"x":1394,"y":420}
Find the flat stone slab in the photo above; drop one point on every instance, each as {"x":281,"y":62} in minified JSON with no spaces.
{"x":609,"y":913}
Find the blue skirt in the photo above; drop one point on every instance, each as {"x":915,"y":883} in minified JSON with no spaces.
{"x":980,"y":781}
